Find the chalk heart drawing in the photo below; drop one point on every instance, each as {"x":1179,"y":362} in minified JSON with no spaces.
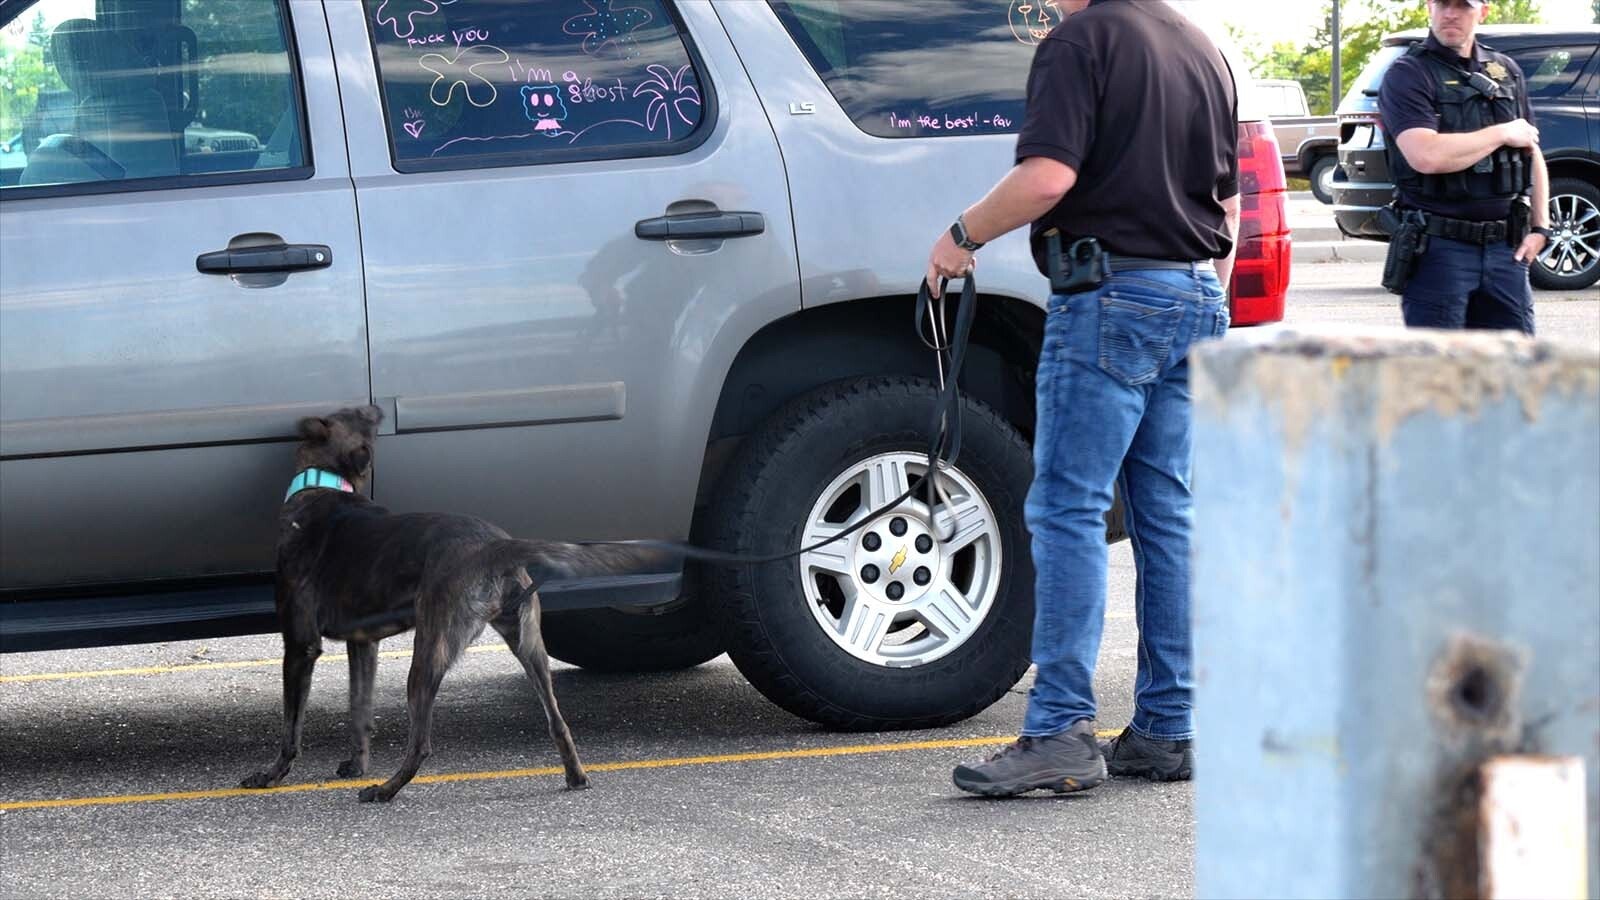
{"x":460,"y":71}
{"x":607,"y":26}
{"x":415,"y":128}
{"x":391,"y":11}
{"x":668,"y":94}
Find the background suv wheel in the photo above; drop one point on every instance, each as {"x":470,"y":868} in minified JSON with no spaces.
{"x":891,"y":627}
{"x":1572,"y":260}
{"x":1321,"y":176}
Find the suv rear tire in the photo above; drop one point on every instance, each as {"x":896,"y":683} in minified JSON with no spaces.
{"x":1571,"y":200}
{"x":953,"y":647}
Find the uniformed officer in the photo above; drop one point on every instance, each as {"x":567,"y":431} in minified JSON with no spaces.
{"x":1464,"y":154}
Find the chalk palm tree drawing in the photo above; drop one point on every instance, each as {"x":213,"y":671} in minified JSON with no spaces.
{"x":668,"y":95}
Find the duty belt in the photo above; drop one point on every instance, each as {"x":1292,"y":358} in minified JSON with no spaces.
{"x":1119,"y":263}
{"x":1467,"y":231}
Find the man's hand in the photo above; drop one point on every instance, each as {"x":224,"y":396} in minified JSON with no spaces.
{"x":947,"y":261}
{"x":1531,"y":247}
{"x":1519,"y":133}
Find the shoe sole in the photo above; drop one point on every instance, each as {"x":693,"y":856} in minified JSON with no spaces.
{"x":1154,"y":769}
{"x":1057,"y":782}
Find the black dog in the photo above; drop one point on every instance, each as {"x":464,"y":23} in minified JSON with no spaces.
{"x":348,"y":569}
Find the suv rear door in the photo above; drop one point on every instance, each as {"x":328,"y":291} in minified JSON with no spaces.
{"x":140,"y":396}
{"x":551,"y":360}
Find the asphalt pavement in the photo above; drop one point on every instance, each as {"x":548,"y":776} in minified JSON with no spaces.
{"x":117,"y":769}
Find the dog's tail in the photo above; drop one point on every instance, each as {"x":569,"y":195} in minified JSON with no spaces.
{"x":545,"y":560}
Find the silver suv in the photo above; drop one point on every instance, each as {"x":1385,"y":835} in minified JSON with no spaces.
{"x":613,"y":269}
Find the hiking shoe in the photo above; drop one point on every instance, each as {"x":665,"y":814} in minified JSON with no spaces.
{"x":1131,"y":753}
{"x":1064,"y":763}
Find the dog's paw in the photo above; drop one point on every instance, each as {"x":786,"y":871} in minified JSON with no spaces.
{"x":258,"y":781}
{"x":580,"y":783}
{"x":374,"y":794}
{"x":352,"y":768}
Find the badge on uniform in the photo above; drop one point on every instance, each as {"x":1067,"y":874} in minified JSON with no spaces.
{"x":1495,"y":70}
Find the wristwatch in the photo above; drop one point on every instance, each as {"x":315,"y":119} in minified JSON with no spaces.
{"x":958,"y":232}
{"x":1540,"y":229}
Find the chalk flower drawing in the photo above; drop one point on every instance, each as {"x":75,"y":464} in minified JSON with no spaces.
{"x":460,"y":71}
{"x":390,"y":11}
{"x":668,"y":95}
{"x":608,"y":25}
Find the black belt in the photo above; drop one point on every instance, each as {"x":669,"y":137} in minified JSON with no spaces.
{"x":1119,"y":263}
{"x":1467,"y":231}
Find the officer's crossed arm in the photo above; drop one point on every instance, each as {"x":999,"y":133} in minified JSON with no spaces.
{"x":1432,"y":153}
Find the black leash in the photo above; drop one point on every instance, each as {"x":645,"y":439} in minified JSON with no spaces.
{"x":944,"y":445}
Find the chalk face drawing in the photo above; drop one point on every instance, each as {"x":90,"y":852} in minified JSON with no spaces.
{"x":460,"y":71}
{"x":670,"y":96}
{"x":541,"y":103}
{"x":607,"y":27}
{"x":1031,"y":20}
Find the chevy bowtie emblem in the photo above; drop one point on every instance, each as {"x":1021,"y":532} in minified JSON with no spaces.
{"x":898,"y":561}
{"x":1495,"y":70}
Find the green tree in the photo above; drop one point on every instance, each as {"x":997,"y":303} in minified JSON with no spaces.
{"x":1364,"y":25}
{"x":24,"y":72}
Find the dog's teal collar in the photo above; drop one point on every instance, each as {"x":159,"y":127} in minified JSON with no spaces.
{"x":318,"y":478}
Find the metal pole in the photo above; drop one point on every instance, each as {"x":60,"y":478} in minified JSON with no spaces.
{"x":1338,"y":83}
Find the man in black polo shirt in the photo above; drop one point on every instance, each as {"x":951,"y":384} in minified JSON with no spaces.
{"x":1130,"y":139}
{"x":1464,"y":153}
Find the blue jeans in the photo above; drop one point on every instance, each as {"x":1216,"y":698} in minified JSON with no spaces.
{"x":1113,"y":406}
{"x":1460,"y":285}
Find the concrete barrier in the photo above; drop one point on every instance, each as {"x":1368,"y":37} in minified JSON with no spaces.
{"x":1397,"y":580}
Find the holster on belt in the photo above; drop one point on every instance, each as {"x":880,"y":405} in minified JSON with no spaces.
{"x":1082,"y":266}
{"x":1520,"y":223}
{"x":1407,"y":242}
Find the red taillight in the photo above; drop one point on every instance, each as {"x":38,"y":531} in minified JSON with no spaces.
{"x":1261,"y":264}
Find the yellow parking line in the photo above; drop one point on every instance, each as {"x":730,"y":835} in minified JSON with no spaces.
{"x":207,"y":666}
{"x":722,"y":759}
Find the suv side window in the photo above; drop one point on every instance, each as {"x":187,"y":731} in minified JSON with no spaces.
{"x":508,"y":82}
{"x":200,"y":92}
{"x":923,"y":69}
{"x":1551,"y":71}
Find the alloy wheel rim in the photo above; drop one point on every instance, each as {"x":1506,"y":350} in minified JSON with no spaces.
{"x":1574,"y":245}
{"x":892,"y":593}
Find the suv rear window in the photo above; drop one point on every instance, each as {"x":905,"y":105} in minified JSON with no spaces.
{"x":933,"y":67}
{"x":512,"y":82}
{"x":1550,"y":71}
{"x":1371,"y":77}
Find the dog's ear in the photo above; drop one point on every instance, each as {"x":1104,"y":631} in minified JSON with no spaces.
{"x":370,"y":414}
{"x":313,"y":429}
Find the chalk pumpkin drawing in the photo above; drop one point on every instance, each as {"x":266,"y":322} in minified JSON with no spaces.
{"x":542,"y":104}
{"x":608,"y":26}
{"x":460,"y":71}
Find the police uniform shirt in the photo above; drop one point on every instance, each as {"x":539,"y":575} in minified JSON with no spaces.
{"x":1137,"y":100}
{"x":1409,"y":99}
